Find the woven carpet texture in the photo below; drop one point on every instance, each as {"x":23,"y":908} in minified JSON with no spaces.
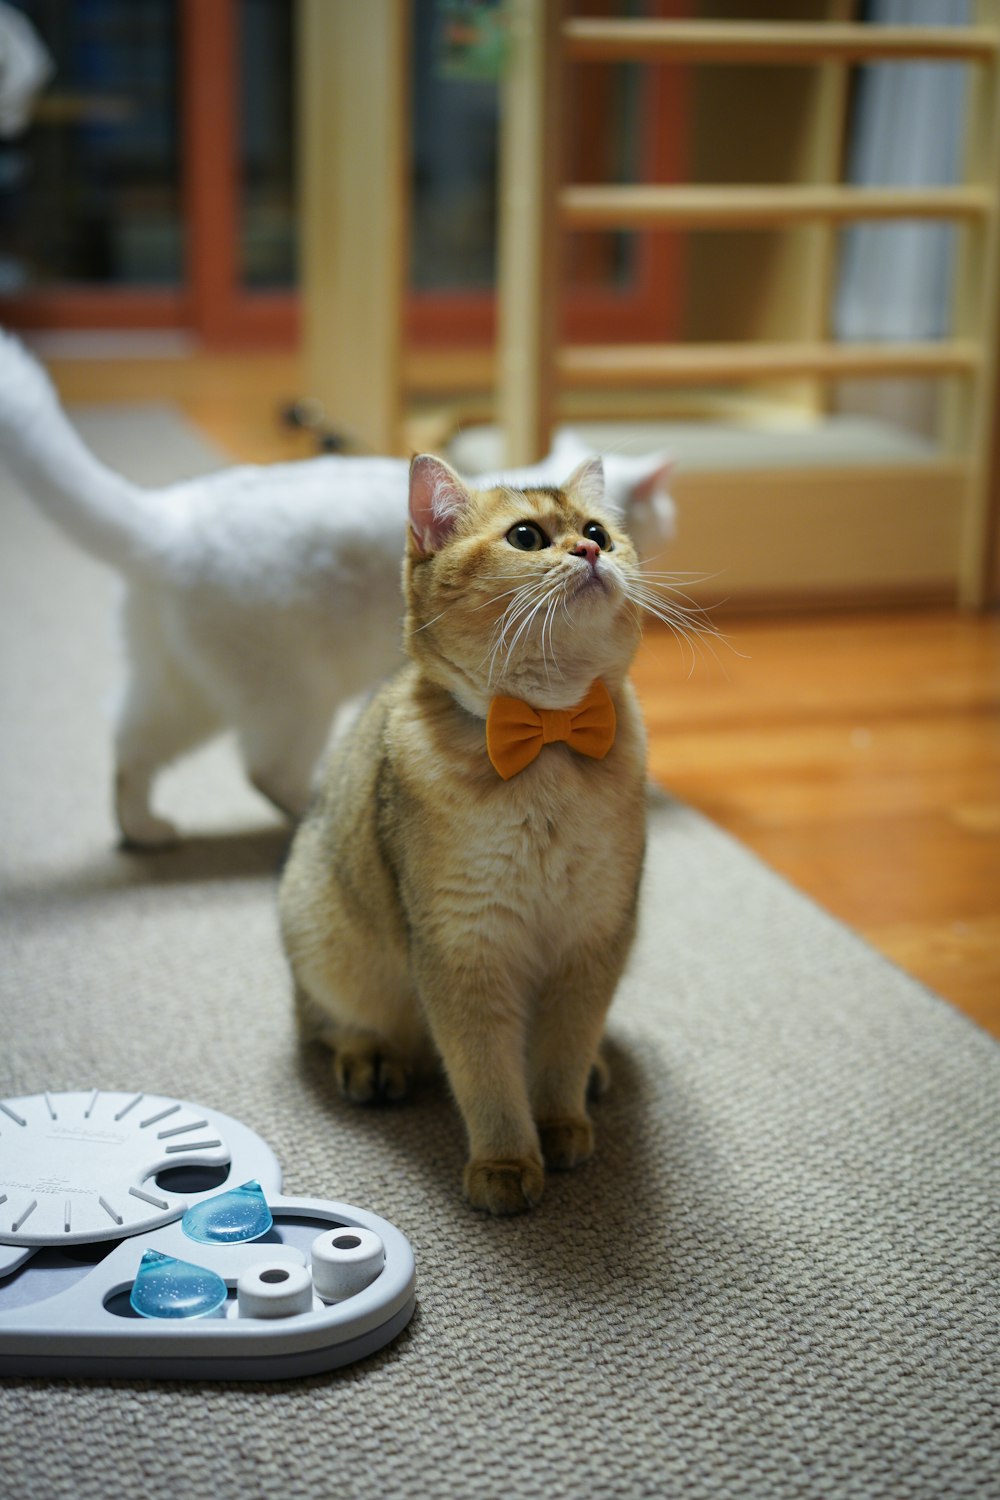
{"x":777,"y":1277}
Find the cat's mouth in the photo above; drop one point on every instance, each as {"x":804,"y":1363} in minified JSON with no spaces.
{"x":588,"y":580}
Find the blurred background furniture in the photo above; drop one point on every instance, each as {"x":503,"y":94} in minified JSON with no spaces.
{"x":792,"y":485}
{"x":850,"y":505}
{"x":691,"y":239}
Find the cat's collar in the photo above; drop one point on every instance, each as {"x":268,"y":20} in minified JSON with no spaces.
{"x":516,"y":732}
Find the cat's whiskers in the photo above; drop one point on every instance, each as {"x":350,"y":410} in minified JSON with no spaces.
{"x":507,"y":577}
{"x":474,"y":609}
{"x":551,"y":599}
{"x":528,"y":616}
{"x":428,"y":623}
{"x":526,"y":623}
{"x":523,"y":597}
{"x":692,"y":576}
{"x":667,"y":583}
{"x":675,"y":600}
{"x":520,"y":601}
{"x":687,"y":620}
{"x":521,"y":612}
{"x":553,"y":605}
{"x":680,"y":634}
{"x":504,"y":594}
{"x":520,"y":609}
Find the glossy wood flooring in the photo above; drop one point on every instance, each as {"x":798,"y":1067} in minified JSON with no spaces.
{"x":857,"y":754}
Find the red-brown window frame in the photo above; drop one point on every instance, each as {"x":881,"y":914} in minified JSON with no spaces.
{"x":214,"y":306}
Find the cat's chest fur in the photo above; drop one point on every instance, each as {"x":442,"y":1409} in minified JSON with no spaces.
{"x":547,"y":858}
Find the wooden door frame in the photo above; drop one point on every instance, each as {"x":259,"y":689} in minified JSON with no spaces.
{"x":221,"y":311}
{"x":211,"y":304}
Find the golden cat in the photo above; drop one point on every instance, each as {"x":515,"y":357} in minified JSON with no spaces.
{"x":467,"y":878}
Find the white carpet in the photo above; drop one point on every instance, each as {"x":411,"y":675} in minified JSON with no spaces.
{"x":777,"y":1277}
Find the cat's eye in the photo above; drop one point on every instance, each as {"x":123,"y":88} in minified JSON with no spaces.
{"x":595,"y":532}
{"x":527,"y":537}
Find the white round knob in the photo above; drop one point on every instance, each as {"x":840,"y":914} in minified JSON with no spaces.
{"x":271,"y":1289}
{"x":345,"y":1261}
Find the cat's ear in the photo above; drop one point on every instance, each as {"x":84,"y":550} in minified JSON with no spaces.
{"x":586,"y":483}
{"x":652,"y":512}
{"x":656,"y":481}
{"x":437,"y":499}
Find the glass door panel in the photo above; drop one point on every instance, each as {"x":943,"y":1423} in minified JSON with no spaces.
{"x":267,"y":209}
{"x":156,"y":185}
{"x":91,"y":193}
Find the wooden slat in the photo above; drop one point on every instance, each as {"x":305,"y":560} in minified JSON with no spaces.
{"x":529,"y":245}
{"x":352,"y":86}
{"x":762,"y":42}
{"x":976,"y":315}
{"x":709,"y":364}
{"x":646,"y":206}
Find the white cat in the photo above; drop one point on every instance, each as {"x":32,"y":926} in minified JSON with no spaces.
{"x":257,"y":599}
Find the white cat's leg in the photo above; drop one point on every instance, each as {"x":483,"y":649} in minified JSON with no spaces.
{"x":161,"y":715}
{"x":140,"y":827}
{"x":281,"y":751}
{"x":154,"y":730}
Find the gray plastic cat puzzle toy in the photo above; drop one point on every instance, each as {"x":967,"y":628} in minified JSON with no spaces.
{"x":145,"y":1237}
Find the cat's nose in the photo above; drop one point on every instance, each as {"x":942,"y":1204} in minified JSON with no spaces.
{"x":590,"y":550}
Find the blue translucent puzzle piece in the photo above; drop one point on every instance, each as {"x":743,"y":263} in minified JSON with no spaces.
{"x":226,"y":1219}
{"x":169,"y":1288}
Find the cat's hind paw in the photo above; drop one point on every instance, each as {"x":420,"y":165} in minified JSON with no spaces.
{"x":505,"y":1186}
{"x":566,"y":1143}
{"x":599,"y":1081}
{"x":366,"y":1075}
{"x":139,"y":825}
{"x":149,"y":833}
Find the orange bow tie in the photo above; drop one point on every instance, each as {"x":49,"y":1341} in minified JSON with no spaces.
{"x":516,"y":732}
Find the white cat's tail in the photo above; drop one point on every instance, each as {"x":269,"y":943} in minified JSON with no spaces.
{"x":102,"y":511}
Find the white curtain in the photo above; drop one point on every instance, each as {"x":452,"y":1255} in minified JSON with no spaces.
{"x":907,"y":131}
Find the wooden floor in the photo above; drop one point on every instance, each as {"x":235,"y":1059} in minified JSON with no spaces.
{"x":857,"y":754}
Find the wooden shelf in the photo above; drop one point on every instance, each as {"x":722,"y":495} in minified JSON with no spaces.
{"x":615,"y":366}
{"x":756,"y":311}
{"x":653,"y":206}
{"x":764,"y":42}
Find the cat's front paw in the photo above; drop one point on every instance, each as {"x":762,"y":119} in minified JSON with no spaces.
{"x":504,"y":1186}
{"x":366,"y":1075}
{"x":566,"y":1143}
